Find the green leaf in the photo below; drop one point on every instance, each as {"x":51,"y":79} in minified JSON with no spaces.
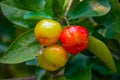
{"x":115,"y":6}
{"x":56,"y":8}
{"x":99,"y":36}
{"x":15,"y":15}
{"x":23,"y":48}
{"x":48,"y":7}
{"x":60,"y":78}
{"x":75,"y":3}
{"x":116,"y":76}
{"x":89,"y":8}
{"x":3,"y":48}
{"x":102,"y":68}
{"x":61,"y":2}
{"x":85,"y":22}
{"x":46,"y":76}
{"x":19,"y":70}
{"x":114,"y":46}
{"x":112,"y":19}
{"x":40,"y":73}
{"x":117,"y":37}
{"x":109,"y":33}
{"x":32,"y":5}
{"x":99,"y":49}
{"x":33,"y":62}
{"x":66,"y":2}
{"x":79,"y":68}
{"x":36,"y":16}
{"x":117,"y":62}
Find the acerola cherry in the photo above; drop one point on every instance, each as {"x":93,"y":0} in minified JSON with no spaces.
{"x":53,"y":57}
{"x":44,"y":64}
{"x":74,"y":39}
{"x":47,"y":31}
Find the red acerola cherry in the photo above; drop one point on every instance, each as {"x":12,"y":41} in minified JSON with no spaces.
{"x":74,"y":39}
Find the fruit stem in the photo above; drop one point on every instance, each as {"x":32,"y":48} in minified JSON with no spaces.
{"x":51,"y":77}
{"x":41,"y":49}
{"x":71,"y":56}
{"x":67,"y":10}
{"x":65,"y":18}
{"x":59,"y":74}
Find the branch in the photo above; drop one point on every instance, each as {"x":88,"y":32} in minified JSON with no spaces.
{"x":27,"y":78}
{"x":68,"y":8}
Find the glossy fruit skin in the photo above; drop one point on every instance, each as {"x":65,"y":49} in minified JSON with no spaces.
{"x":44,"y":64}
{"x":47,"y":31}
{"x":74,"y":39}
{"x":53,"y":57}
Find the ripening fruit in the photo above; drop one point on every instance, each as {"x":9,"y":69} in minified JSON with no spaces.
{"x":53,"y":57}
{"x":47,"y":31}
{"x":44,"y":64}
{"x":74,"y":39}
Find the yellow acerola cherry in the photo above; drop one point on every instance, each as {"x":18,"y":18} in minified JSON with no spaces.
{"x":47,"y":31}
{"x":53,"y":57}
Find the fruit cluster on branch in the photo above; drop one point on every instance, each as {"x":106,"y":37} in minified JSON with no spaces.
{"x":74,"y":39}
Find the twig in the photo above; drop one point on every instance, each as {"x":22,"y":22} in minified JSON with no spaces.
{"x":65,"y":18}
{"x":51,"y":77}
{"x":59,"y":74}
{"x":92,"y":21}
{"x":68,"y":8}
{"x":27,"y":78}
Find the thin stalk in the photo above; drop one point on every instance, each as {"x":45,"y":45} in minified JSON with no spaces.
{"x":68,"y":8}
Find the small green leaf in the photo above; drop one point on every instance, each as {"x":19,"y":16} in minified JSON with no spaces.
{"x":24,"y":48}
{"x":99,"y":49}
{"x":79,"y":68}
{"x":89,"y":8}
{"x":36,"y":16}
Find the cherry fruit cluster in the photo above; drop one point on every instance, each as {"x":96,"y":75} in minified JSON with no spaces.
{"x":74,"y":39}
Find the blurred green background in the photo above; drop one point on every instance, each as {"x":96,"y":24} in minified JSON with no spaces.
{"x":7,"y":34}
